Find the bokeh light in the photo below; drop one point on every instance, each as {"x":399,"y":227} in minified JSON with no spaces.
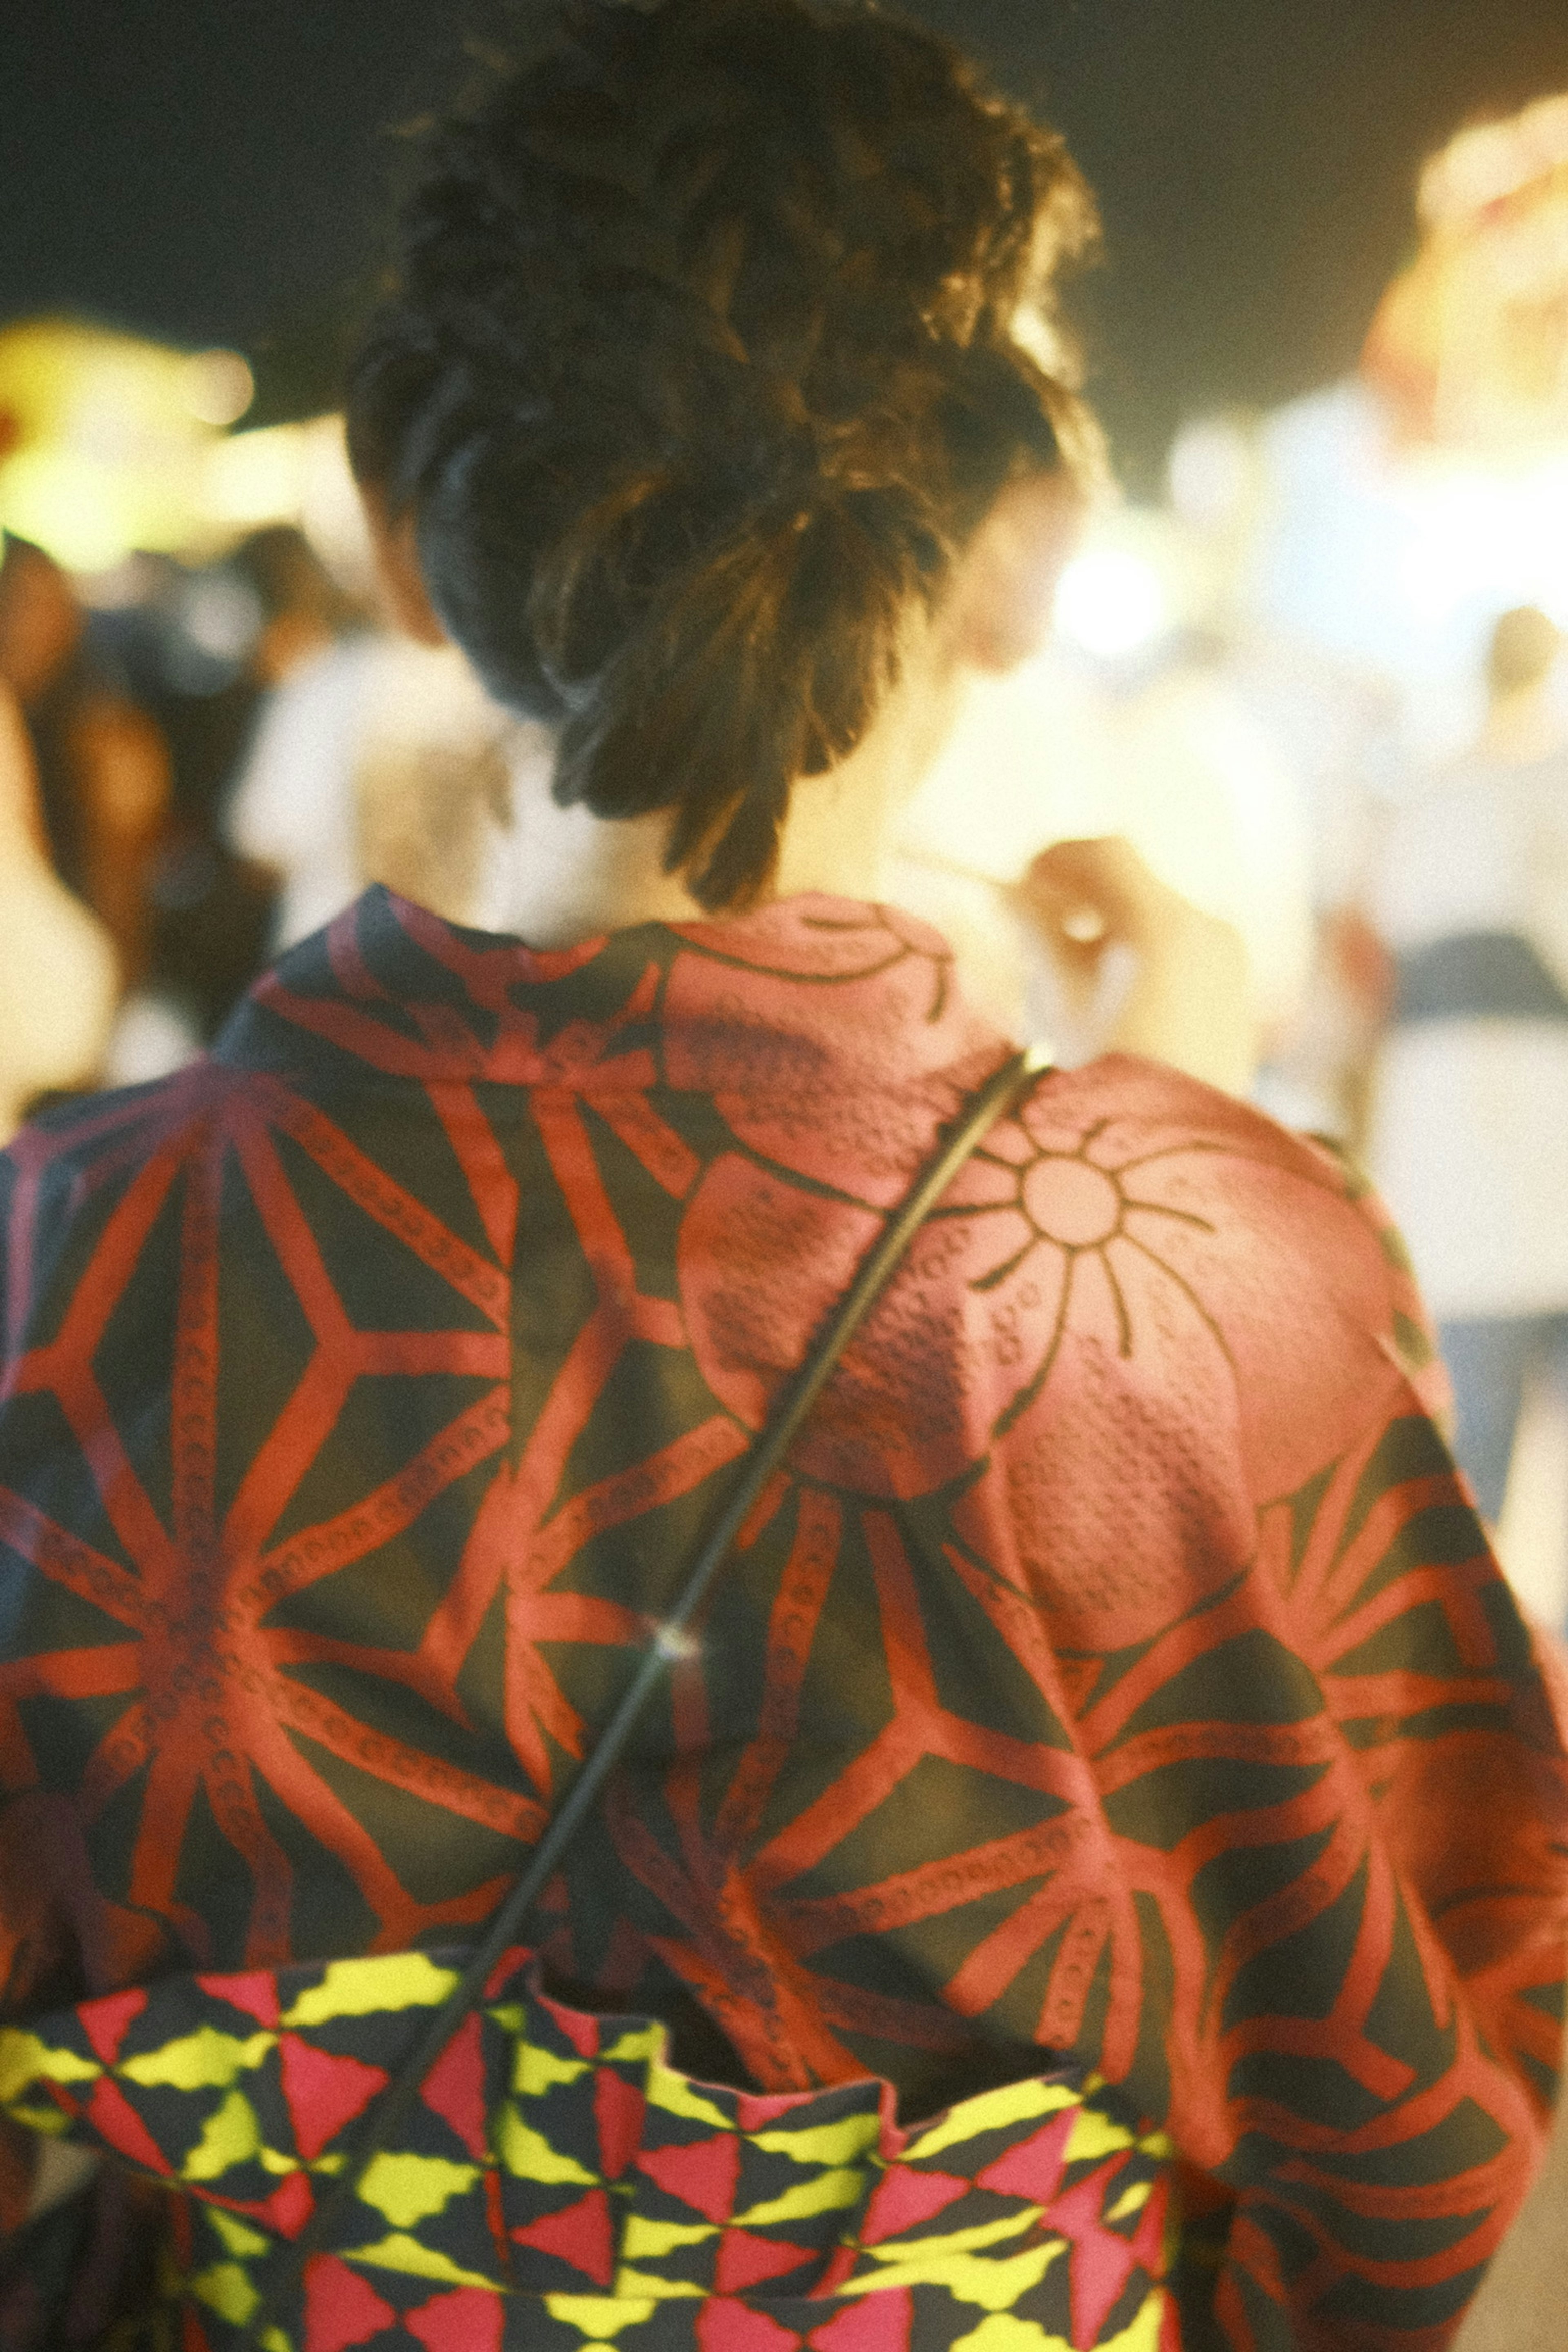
{"x":219,"y":387}
{"x":1113,"y":602}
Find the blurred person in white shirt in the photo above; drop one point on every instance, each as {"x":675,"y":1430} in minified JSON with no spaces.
{"x":375,"y":761}
{"x":1468,"y":1137}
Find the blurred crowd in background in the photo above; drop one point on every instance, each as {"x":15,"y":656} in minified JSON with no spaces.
{"x":1320,"y":684}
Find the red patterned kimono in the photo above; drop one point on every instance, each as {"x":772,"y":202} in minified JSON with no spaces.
{"x":1118,"y":1678}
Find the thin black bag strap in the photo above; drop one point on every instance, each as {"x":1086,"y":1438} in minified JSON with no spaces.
{"x":395,"y":2103}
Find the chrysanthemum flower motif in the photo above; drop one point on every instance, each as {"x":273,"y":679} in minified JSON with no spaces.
{"x":1117,"y":1667}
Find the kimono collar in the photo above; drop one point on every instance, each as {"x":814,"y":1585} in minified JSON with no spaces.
{"x":806,"y":997}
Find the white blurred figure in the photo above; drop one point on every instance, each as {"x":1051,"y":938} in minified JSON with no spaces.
{"x":1333,"y":715}
{"x":1469,"y":1134}
{"x":292,"y":807}
{"x":378,"y":760}
{"x":58,"y":974}
{"x":1123,"y":727}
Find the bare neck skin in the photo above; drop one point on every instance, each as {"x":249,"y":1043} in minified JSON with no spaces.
{"x":561,"y":875}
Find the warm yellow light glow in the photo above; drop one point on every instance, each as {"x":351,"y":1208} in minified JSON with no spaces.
{"x":255,"y":477}
{"x":1493,"y":161}
{"x":330,"y":514}
{"x":1470,"y":346}
{"x":219,"y":387}
{"x":108,"y":450}
{"x":79,"y":510}
{"x":292,"y":473}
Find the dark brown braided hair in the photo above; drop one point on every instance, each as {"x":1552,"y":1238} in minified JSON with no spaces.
{"x":700,"y":362}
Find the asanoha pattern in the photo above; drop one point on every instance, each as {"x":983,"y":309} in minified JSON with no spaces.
{"x":1117,"y":1680}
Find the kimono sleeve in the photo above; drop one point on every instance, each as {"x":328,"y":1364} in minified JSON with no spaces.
{"x":1376,"y":2037}
{"x":1335,"y":1801}
{"x":37,"y":1946}
{"x":1375,"y":2040}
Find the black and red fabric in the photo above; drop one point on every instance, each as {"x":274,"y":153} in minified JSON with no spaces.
{"x":559,"y":2184}
{"x":1119,"y":1671}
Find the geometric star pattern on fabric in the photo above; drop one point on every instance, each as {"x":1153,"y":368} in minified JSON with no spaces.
{"x":1114,"y":1675}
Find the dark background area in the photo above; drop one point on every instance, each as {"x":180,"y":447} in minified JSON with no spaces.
{"x":215,"y":173}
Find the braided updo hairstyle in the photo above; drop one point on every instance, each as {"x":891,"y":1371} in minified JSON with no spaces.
{"x":702,"y":361}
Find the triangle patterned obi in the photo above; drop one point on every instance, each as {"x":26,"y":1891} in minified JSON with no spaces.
{"x":561,"y":2185}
